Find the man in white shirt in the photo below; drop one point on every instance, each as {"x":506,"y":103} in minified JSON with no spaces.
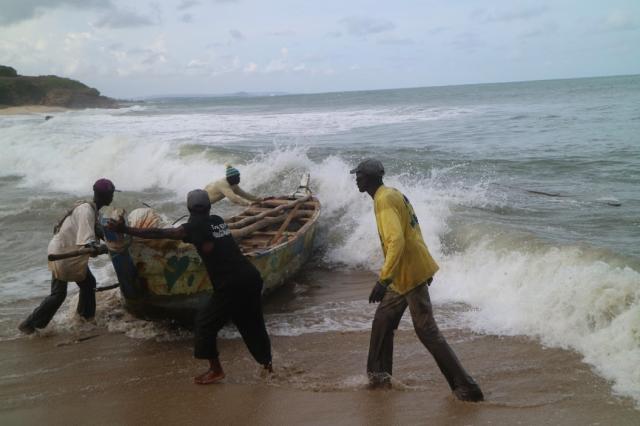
{"x":228,"y":187}
{"x":75,"y":230}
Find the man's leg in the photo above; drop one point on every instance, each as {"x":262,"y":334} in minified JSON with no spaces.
{"x":41,"y":316}
{"x":87,"y":298}
{"x":248,"y":317}
{"x":385,"y":322}
{"x":427,"y":330}
{"x":209,"y":320}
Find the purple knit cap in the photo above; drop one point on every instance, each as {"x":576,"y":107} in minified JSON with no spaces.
{"x":104,"y":185}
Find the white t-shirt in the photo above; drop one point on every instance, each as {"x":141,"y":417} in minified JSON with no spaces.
{"x":76,"y":231}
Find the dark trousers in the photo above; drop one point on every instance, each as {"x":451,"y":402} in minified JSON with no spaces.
{"x":386,"y":321}
{"x":243,"y":306}
{"x":41,"y":316}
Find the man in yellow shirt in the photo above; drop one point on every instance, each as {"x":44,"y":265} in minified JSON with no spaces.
{"x":407,"y":271}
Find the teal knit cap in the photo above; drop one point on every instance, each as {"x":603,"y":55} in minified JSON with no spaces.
{"x":232,"y":171}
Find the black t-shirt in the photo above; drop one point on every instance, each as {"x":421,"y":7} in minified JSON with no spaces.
{"x":220,"y":254}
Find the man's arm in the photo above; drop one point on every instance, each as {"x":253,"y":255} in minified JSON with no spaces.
{"x":393,"y":239}
{"x":241,"y":192}
{"x":229,"y":192}
{"x":178,"y":233}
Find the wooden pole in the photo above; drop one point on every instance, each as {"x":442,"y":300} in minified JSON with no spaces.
{"x":243,"y":232}
{"x":246,"y":221}
{"x":284,"y":225}
{"x":74,"y":253}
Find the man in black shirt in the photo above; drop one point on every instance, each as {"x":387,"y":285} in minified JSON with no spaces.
{"x":236,"y":282}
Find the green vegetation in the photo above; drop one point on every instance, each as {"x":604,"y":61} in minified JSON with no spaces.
{"x":50,"y":90}
{"x":7,"y":71}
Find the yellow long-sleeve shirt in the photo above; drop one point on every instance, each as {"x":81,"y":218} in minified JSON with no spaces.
{"x":407,"y":261}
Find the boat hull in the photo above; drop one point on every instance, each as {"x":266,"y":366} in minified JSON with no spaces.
{"x":166,"y":279}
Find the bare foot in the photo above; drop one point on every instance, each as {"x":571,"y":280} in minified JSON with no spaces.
{"x":209,"y":377}
{"x":26,"y":328}
{"x":379,"y":381}
{"x":267,"y":371}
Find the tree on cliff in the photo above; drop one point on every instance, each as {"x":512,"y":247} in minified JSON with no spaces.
{"x":6,"y":71}
{"x":51,"y":90}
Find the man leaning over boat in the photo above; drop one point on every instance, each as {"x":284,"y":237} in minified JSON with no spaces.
{"x":237,"y":284}
{"x":229,"y":187}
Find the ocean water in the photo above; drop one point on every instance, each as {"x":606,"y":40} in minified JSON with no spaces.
{"x":527,"y":195}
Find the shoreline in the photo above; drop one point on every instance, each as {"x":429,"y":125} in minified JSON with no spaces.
{"x":32,"y":110}
{"x":122,"y":370}
{"x":318,"y":379}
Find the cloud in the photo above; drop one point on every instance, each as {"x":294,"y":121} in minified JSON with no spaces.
{"x":187,"y":18}
{"x":280,"y":64}
{"x":237,"y":35}
{"x":212,"y":66}
{"x":120,"y":18}
{"x":14,"y":11}
{"x":187,"y":4}
{"x":619,"y":21}
{"x":76,"y":40}
{"x":467,"y":42}
{"x":282,"y":33}
{"x":523,"y":14}
{"x":284,"y":65}
{"x":437,"y":30}
{"x":141,"y":60}
{"x":251,"y":67}
{"x":360,"y":26}
{"x":545,"y":30}
{"x":396,"y":41}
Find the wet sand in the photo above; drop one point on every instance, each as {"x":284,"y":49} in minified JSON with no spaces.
{"x":104,"y":377}
{"x":31,"y":109}
{"x":112,"y":379}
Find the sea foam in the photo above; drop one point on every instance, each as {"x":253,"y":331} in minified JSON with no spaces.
{"x":569,"y":296}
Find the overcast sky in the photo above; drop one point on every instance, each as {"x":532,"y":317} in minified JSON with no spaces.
{"x":137,"y":48}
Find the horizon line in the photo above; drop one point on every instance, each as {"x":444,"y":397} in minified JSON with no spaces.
{"x":267,"y":93}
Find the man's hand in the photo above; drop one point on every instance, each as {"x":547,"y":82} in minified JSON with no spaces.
{"x":116,"y":225}
{"x":97,"y":249}
{"x":377,"y":293}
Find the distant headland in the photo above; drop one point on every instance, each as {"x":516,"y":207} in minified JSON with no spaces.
{"x":48,"y":91}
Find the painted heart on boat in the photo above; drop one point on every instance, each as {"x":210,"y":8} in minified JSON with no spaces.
{"x":174,"y":269}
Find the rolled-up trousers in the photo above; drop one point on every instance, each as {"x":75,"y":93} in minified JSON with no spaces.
{"x":386,"y":321}
{"x":86,"y":308}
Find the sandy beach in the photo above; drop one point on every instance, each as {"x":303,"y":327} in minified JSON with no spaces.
{"x":111,"y":379}
{"x":31,"y":109}
{"x":102,"y":377}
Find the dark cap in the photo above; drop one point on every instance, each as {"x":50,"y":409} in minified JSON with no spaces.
{"x":103,"y":186}
{"x":198,"y":199}
{"x":370,"y":166}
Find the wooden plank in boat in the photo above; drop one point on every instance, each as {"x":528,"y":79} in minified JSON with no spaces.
{"x":246,"y":221}
{"x":284,"y":225}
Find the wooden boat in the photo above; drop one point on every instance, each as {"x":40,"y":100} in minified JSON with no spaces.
{"x":165,"y":279}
